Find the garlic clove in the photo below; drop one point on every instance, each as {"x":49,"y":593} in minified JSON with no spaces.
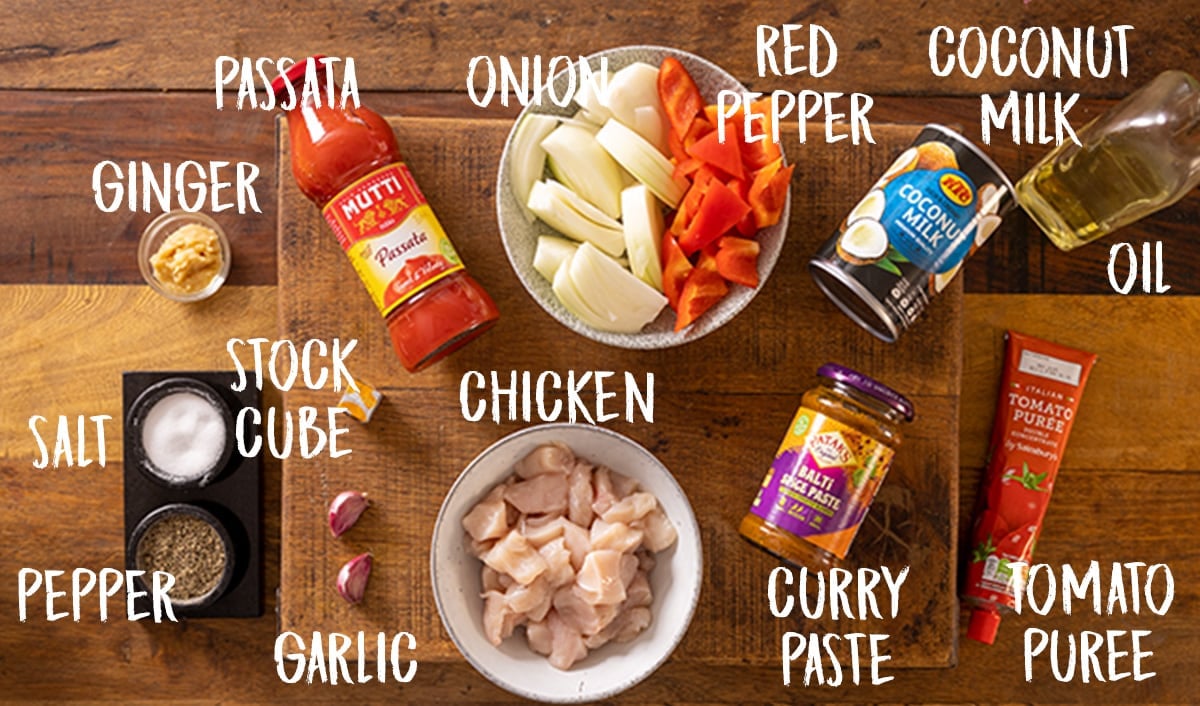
{"x":352,"y":579}
{"x":345,"y":510}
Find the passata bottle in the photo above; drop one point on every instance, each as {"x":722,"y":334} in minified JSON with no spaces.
{"x":347,"y":162}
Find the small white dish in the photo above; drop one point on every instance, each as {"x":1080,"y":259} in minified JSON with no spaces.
{"x":613,"y":668}
{"x":520,"y":236}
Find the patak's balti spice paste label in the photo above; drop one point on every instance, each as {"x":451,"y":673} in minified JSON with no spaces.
{"x":822,"y":481}
{"x":832,"y":461}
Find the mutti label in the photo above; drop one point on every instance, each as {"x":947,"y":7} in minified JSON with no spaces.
{"x":830,"y":450}
{"x":373,"y":205}
{"x":391,"y":236}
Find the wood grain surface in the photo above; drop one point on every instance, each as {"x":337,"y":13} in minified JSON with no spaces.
{"x":78,"y":370}
{"x":55,"y":139}
{"x":881,"y":48}
{"x":65,"y":348}
{"x":133,"y":80}
{"x":710,"y":419}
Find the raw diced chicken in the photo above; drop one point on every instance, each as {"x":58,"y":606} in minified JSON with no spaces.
{"x":576,"y":611}
{"x":646,"y":561}
{"x":515,"y":556}
{"x":544,"y":494}
{"x":491,"y":580}
{"x":638,"y":592}
{"x":603,"y":491}
{"x":579,"y":543}
{"x":659,"y":532}
{"x":540,"y":529}
{"x":530,"y":599}
{"x":547,"y":458}
{"x":567,"y":549}
{"x":478,"y":549}
{"x":630,"y":508}
{"x":600,"y":639}
{"x":488,"y":519}
{"x":599,"y":581}
{"x":617,"y":536}
{"x":566,"y":644}
{"x":628,"y":569}
{"x":542,"y":609}
{"x":538,"y":634}
{"x":631,"y":622}
{"x":623,"y":628}
{"x":623,"y":486}
{"x":557,"y":555}
{"x":580,"y":494}
{"x":499,"y":620}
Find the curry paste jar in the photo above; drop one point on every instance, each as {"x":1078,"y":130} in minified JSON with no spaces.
{"x":835,"y":455}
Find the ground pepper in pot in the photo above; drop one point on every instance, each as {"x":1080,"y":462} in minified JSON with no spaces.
{"x":189,"y":549}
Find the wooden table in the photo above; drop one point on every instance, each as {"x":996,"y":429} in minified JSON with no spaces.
{"x":133,"y":81}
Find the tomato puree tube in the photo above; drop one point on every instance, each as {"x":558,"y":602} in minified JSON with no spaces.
{"x":1039,"y":396}
{"x":346,"y":160}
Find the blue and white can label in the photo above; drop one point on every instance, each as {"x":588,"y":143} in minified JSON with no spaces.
{"x":907,"y":238}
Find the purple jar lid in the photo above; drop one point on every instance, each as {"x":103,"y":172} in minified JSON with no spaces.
{"x":870,"y":386}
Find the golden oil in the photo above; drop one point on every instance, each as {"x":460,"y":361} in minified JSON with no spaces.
{"x":1141,"y":156}
{"x":1077,"y":194}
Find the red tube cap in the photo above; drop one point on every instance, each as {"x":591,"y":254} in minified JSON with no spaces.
{"x":983,"y":626}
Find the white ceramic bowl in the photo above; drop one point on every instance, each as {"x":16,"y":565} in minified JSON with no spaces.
{"x":520,"y":236}
{"x":613,"y":668}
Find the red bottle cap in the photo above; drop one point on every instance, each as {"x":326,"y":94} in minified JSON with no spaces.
{"x":294,"y":72}
{"x":983,"y":626}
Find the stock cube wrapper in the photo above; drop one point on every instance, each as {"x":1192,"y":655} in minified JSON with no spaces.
{"x":361,"y":403}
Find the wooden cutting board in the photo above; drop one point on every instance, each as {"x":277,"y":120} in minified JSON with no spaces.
{"x":722,"y":405}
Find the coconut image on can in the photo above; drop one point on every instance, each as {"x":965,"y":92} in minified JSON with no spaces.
{"x":906,"y":239}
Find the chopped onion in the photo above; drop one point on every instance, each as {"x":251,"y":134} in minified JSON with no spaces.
{"x":612,"y":291}
{"x":594,"y":103}
{"x":564,"y":211}
{"x":550,"y":253}
{"x":633,"y":100}
{"x":643,"y":161}
{"x":579,"y":162}
{"x":643,"y":223}
{"x":528,"y":157}
{"x":564,"y":289}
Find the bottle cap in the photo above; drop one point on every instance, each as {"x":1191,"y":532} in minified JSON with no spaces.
{"x":984,"y":624}
{"x":869,"y":386}
{"x":294,"y":73}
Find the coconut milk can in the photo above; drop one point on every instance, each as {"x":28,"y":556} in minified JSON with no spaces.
{"x":907,"y":238}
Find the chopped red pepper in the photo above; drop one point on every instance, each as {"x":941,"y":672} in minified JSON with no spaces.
{"x":747,"y":225}
{"x":698,"y":129}
{"x":688,"y":207}
{"x":737,"y":260}
{"x":703,"y":288}
{"x":679,"y":95}
{"x":760,"y":153}
{"x":769,"y":192}
{"x":725,"y":156}
{"x":687,"y":167}
{"x":675,"y":143}
{"x":712,"y":113}
{"x":720,"y":209}
{"x":676,"y":269}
